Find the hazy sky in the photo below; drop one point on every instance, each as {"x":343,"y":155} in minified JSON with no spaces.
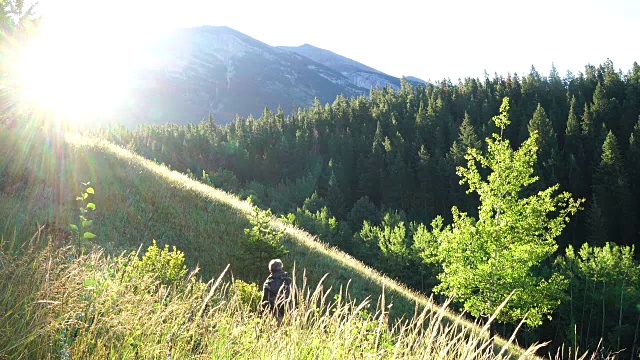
{"x":428,"y":39}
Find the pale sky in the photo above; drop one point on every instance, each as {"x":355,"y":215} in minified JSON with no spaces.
{"x":428,"y":39}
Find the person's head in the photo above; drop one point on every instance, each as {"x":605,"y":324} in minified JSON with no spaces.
{"x":275,"y":265}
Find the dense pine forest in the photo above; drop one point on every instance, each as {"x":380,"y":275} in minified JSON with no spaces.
{"x":370,"y":174}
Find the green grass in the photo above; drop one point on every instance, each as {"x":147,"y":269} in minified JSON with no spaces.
{"x":138,"y":201}
{"x":60,"y":305}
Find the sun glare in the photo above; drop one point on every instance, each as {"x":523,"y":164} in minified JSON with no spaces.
{"x":79,"y":77}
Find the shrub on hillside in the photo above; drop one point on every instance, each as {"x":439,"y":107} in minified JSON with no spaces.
{"x":248,"y":294}
{"x":261,"y":243}
{"x":168,"y":265}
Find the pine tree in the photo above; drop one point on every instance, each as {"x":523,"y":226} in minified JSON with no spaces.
{"x":631,"y":105}
{"x":557,"y":94}
{"x":335,"y":197}
{"x":633,"y":164}
{"x":611,"y":187}
{"x":467,"y":138}
{"x":547,"y":145}
{"x":596,"y":228}
{"x":573,"y":155}
{"x":600,"y":107}
{"x":572,"y":131}
{"x":372,"y":178}
{"x":422,"y":197}
{"x":363,"y":210}
{"x":587,"y":125}
{"x":396,"y":177}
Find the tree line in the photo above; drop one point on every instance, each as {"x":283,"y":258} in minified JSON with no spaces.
{"x":368,"y":174}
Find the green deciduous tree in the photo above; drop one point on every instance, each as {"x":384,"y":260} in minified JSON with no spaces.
{"x":485,"y":260}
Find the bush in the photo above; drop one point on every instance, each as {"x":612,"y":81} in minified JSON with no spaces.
{"x":248,"y":294}
{"x":261,"y":243}
{"x":167,"y":265}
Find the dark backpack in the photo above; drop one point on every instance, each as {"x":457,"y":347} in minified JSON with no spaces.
{"x":279,"y":288}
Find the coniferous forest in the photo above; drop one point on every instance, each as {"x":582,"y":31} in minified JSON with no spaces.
{"x":378,"y":176}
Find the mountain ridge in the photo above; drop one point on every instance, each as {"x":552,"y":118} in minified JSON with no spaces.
{"x":358,"y":73}
{"x":194,"y":72}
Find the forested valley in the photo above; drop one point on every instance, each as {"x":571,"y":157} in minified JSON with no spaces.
{"x":369,"y":175}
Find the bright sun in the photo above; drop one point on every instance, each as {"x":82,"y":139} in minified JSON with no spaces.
{"x":79,"y":76}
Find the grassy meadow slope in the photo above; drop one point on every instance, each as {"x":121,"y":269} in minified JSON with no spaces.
{"x":138,"y":200}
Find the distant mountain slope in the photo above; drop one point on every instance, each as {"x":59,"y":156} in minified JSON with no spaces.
{"x":415,"y":79}
{"x":195,"y":71}
{"x":190,"y":73}
{"x":358,"y":74}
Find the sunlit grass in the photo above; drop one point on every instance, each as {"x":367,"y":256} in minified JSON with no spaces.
{"x":60,"y":306}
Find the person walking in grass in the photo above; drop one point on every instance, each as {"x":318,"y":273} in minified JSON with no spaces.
{"x":276,"y":290}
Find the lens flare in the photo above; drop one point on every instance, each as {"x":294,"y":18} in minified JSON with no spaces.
{"x":79,"y":78}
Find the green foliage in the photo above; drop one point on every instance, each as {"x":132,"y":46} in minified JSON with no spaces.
{"x":467,"y":138}
{"x":248,"y":294}
{"x":336,"y":199}
{"x":321,"y":224}
{"x":138,"y":320}
{"x":167,"y":265}
{"x":613,"y":193}
{"x":262,"y":242}
{"x":15,"y":16}
{"x":81,"y":229}
{"x":314,"y":203}
{"x":363,"y":210}
{"x":604,"y":284}
{"x":279,"y":160}
{"x":500,"y":253}
{"x":547,"y":145}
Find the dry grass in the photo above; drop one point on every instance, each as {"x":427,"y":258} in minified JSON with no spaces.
{"x":62,"y":306}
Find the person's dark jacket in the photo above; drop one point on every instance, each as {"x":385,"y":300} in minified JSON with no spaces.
{"x":271,"y":288}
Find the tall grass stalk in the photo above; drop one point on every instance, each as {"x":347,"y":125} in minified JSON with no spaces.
{"x":57,"y":305}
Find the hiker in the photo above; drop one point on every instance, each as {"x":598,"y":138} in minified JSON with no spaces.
{"x":276,"y":289}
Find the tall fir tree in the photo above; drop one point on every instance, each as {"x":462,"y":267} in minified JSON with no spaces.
{"x":372,"y":179}
{"x":335,"y":197}
{"x":596,"y":227}
{"x":467,"y":138}
{"x":572,"y":130}
{"x":611,"y":187}
{"x":633,"y":164}
{"x":547,"y":145}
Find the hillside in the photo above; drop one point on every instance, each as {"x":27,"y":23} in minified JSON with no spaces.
{"x":390,"y":160}
{"x":139,"y":201}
